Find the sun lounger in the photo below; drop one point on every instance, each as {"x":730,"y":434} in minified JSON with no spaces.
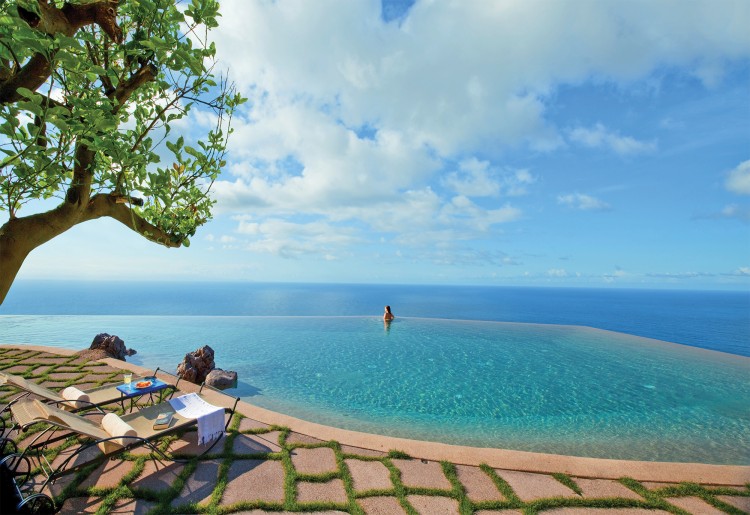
{"x":112,"y":436}
{"x":91,"y":398}
{"x":69,"y":399}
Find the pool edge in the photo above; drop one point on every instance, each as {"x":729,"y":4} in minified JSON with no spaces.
{"x":668,"y":472}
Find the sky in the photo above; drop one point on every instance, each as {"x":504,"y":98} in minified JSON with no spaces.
{"x":572,"y":143}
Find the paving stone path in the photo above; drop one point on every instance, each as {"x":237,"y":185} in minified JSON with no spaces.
{"x":259,"y":469}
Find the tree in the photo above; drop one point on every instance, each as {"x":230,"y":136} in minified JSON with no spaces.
{"x":89,"y":94}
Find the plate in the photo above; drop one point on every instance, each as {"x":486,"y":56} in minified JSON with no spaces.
{"x":143,"y":384}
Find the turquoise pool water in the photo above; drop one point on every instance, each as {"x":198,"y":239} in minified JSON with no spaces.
{"x":545,"y":388}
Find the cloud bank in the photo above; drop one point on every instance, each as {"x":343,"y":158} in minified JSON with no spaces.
{"x":357,"y":125}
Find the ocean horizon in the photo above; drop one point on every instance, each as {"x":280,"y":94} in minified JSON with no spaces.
{"x":715,"y":320}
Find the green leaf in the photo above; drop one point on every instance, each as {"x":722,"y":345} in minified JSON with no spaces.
{"x":59,"y":123}
{"x":33,"y":107}
{"x":26,"y":93}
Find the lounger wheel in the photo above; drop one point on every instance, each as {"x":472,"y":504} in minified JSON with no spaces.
{"x":36,"y":504}
{"x":19,"y":467}
{"x":7,"y":446}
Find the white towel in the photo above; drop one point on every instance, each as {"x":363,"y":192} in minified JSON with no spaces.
{"x":115,"y":426}
{"x":210,"y":417}
{"x":75,"y":397}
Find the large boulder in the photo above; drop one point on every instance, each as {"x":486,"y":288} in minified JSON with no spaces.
{"x":222,"y":379}
{"x":196,"y":365}
{"x":112,"y":346}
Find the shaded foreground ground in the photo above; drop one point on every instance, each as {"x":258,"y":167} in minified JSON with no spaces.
{"x":263,"y":468}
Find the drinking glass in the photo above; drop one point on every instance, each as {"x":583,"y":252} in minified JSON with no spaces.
{"x":128,"y":378}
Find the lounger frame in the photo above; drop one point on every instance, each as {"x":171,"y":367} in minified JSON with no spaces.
{"x":28,"y":388}
{"x":67,"y":423}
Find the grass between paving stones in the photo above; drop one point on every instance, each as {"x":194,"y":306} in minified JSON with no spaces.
{"x":707,"y":494}
{"x":455,"y":492}
{"x":167,"y":501}
{"x":539,"y":505}
{"x":346,"y":478}
{"x":502,"y":485}
{"x":568,"y":481}
{"x":398,"y":485}
{"x":323,"y":477}
{"x":458,"y":489}
{"x":396,"y":455}
{"x":110,"y":496}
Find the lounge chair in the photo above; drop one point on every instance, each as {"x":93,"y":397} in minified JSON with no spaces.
{"x":79,"y":400}
{"x":112,"y":436}
{"x":92,"y":398}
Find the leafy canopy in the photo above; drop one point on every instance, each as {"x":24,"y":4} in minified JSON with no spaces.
{"x":124,"y":102}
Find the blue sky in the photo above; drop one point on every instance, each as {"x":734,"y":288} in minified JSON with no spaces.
{"x":571,"y":143}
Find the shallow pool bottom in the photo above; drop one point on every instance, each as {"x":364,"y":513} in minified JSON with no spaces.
{"x":561,"y":390}
{"x":552,"y":389}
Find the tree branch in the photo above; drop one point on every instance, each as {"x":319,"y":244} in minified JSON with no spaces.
{"x":72,"y":17}
{"x":52,"y":20}
{"x":80,"y":190}
{"x":33,"y":74}
{"x":145,"y":73}
{"x":107,"y":205}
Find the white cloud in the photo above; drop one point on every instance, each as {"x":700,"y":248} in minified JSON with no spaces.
{"x":475,"y":178}
{"x":671,"y":124}
{"x":599,"y":136}
{"x":738,"y":212}
{"x":292,"y":240}
{"x":738,"y":180}
{"x":352,"y":120}
{"x":456,"y":74}
{"x":557,"y":272}
{"x":617,"y":274}
{"x":582,"y":202}
{"x":461,"y":207}
{"x":517,"y":183}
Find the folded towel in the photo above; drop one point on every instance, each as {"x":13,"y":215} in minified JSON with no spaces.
{"x":210,"y":417}
{"x":115,"y":426}
{"x":75,"y":397}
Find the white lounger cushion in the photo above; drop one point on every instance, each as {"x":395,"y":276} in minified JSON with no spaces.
{"x":115,"y":426}
{"x":75,"y":397}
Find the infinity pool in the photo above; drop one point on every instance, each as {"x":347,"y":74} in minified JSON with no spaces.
{"x":556,"y":389}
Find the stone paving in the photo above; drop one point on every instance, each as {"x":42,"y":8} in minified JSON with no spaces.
{"x":259,"y":469}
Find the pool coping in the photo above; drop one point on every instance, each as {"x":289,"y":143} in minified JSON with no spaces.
{"x":585,"y":467}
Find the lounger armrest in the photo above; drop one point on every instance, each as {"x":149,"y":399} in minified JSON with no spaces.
{"x":232,"y":412}
{"x":64,"y":404}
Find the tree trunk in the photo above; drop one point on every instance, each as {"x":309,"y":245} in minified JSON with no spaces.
{"x":11,"y":258}
{"x":19,"y":236}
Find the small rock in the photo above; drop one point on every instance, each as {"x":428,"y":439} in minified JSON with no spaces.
{"x":196,"y":365}
{"x":112,"y":345}
{"x":222,"y":379}
{"x":93,"y":355}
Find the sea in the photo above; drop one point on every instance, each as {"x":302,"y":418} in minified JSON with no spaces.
{"x":586,"y":372}
{"x":715,"y":320}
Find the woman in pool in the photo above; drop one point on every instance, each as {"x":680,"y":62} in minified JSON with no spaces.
{"x":388,"y":316}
